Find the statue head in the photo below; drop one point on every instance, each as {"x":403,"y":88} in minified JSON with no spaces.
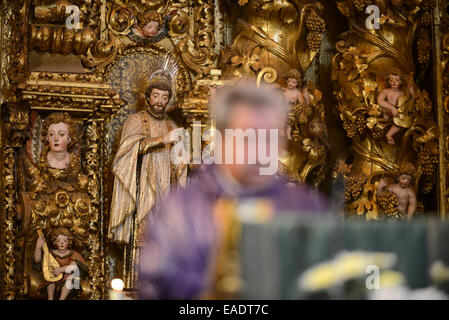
{"x":59,"y":132}
{"x":61,"y":238}
{"x":395,"y":78}
{"x":158,"y":94}
{"x":149,"y":23}
{"x":293,"y":79}
{"x":406,"y":174}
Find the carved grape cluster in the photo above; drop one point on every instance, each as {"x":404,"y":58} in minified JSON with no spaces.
{"x":358,"y":126}
{"x":302,"y":113}
{"x":353,"y":188}
{"x":378,"y":133}
{"x":427,"y":161}
{"x":350,"y":128}
{"x":360,"y":4}
{"x":345,"y":9}
{"x":426,"y":18}
{"x":388,"y":203}
{"x":314,"y":39}
{"x":315,"y":23}
{"x":361,"y":124}
{"x":423,"y":51}
{"x":427,"y":186}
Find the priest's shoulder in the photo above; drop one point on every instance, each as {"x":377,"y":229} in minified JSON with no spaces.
{"x":305,"y":197}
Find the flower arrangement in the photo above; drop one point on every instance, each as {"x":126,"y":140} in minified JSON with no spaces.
{"x":367,"y":275}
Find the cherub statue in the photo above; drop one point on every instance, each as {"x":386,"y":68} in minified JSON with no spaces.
{"x":148,"y":24}
{"x":148,"y":27}
{"x":390,"y":99}
{"x":406,"y":197}
{"x":69,"y":261}
{"x":296,"y":96}
{"x":293,"y":92}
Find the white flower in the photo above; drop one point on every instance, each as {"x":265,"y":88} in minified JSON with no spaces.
{"x":345,"y":266}
{"x":439,"y":272}
{"x":404,"y":293}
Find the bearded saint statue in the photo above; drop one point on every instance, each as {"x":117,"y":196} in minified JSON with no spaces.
{"x":143,"y":172}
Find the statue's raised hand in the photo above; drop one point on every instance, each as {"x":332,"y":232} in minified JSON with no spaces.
{"x":173,"y":136}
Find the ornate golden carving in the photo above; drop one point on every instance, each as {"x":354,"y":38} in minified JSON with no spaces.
{"x":441,"y":36}
{"x":9,"y":229}
{"x":126,"y":25}
{"x":58,"y":197}
{"x":306,"y":156}
{"x":82,"y":93}
{"x":276,"y":37}
{"x":278,"y":34}
{"x":15,"y":127}
{"x":14,"y":50}
{"x":197,"y":51}
{"x":94,"y":186}
{"x":61,"y":40}
{"x":365,"y":57}
{"x":53,"y":14}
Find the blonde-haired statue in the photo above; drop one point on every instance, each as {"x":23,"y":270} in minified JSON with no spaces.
{"x":298,"y":98}
{"x":59,"y":138}
{"x":68,"y":261}
{"x":393,"y":99}
{"x":293,"y":92}
{"x":55,"y":197}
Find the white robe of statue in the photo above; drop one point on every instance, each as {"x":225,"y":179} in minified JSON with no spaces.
{"x":157,"y":175}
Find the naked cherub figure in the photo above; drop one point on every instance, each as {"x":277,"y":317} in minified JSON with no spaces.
{"x":294,"y":94}
{"x":403,"y":190}
{"x":388,"y":99}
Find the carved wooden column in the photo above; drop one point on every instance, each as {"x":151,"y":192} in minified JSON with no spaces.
{"x":440,"y":30}
{"x":94,"y":133}
{"x":8,"y":225}
{"x":12,"y":138}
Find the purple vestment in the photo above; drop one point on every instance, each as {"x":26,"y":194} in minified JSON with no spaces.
{"x":175,"y":261}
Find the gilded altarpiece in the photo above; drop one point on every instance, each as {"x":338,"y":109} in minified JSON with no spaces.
{"x":441,"y":35}
{"x":92,"y":60}
{"x":83,"y":58}
{"x":382,"y":142}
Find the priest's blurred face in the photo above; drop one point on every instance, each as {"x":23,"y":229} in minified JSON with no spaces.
{"x":158,"y":100}
{"x":261,"y":114}
{"x":58,"y":137}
